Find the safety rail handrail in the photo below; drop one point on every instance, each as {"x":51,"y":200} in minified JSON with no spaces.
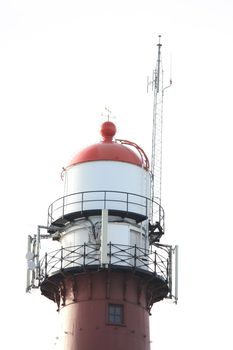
{"x":86,"y":255}
{"x":130,"y":199}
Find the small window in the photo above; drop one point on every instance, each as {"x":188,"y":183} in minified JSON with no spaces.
{"x":115,"y":314}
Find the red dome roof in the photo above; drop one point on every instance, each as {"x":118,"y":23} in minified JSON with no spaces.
{"x":107,"y":149}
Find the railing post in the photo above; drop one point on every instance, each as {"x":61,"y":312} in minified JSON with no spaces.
{"x":170,"y":269}
{"x":84,"y":254}
{"x":110,"y":253}
{"x":46,"y":264}
{"x":82,"y":202}
{"x":135,"y":256}
{"x":105,"y":196}
{"x":176,"y":273}
{"x":104,"y":238}
{"x":62,"y":258}
{"x":127,"y":202}
{"x":155,"y":262}
{"x":63,"y":207}
{"x":51,"y":214}
{"x":48,"y":223}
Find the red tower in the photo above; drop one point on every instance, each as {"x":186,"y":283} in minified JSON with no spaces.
{"x":110,"y":268}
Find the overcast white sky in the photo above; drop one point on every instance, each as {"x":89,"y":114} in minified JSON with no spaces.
{"x":61,"y":63}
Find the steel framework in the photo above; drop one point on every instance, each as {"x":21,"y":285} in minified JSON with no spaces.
{"x":155,"y":262}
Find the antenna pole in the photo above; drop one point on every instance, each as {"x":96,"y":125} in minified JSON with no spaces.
{"x":156,"y":152}
{"x":157,"y":129}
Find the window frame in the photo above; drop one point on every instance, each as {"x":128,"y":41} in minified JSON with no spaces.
{"x":114,"y":311}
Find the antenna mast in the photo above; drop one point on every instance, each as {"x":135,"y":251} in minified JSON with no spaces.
{"x":156,"y":152}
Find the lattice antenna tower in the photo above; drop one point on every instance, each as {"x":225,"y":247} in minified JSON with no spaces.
{"x":157,"y":129}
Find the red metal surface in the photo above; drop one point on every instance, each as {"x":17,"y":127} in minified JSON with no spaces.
{"x":84,"y":316}
{"x":108,"y":149}
{"x":108,"y":130}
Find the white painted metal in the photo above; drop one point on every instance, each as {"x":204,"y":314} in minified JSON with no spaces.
{"x":104,"y":176}
{"x":107,"y":175}
{"x":91,"y":237}
{"x":108,"y":229}
{"x":77,"y":234}
{"x":104,"y":238}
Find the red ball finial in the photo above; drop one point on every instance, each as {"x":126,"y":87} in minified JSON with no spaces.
{"x":108,"y":130}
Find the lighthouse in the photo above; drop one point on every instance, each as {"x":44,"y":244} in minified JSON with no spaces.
{"x":109,"y":267}
{"x":106,"y":276}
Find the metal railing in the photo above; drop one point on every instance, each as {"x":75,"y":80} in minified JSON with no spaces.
{"x":97,"y":200}
{"x":156,"y":261}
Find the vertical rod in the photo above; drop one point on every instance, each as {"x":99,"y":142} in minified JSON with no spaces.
{"x":63,"y":206}
{"x":46,"y":265}
{"x":155,"y":263}
{"x":48,"y":221}
{"x":51,"y":215}
{"x":158,"y":64}
{"x":176,"y":281}
{"x":34,"y":258}
{"x":170,"y":270}
{"x":135,"y":256}
{"x":62,"y":258}
{"x":104,"y":238}
{"x":84,"y":254}
{"x":105,"y":194}
{"x":37,"y":255}
{"x":110,"y":253}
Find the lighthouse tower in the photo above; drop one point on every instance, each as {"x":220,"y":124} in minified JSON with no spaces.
{"x":110,"y":268}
